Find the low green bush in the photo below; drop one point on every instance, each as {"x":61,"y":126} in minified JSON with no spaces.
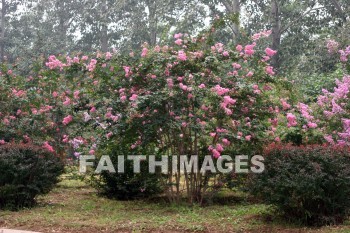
{"x":126,"y":185}
{"x":309,"y":184}
{"x":26,"y":172}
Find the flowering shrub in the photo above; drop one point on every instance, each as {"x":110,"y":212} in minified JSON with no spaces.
{"x":188,"y":98}
{"x":327,"y":120}
{"x":308,"y":184}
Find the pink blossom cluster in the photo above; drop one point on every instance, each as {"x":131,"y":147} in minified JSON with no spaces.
{"x":292,"y":120}
{"x":182,"y":55}
{"x":335,"y":107}
{"x":332,"y":46}
{"x":54,"y":63}
{"x":92,"y":65}
{"x":305,"y":112}
{"x":344,"y":54}
{"x":262,"y":34}
{"x":221,"y":90}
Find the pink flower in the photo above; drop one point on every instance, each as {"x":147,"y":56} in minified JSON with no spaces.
{"x":226,"y":142}
{"x":239,"y":48}
{"x":133,"y":97}
{"x":219,"y":148}
{"x":123,"y":98}
{"x":109,"y":135}
{"x":228,"y":111}
{"x":228,"y":101}
{"x":183,"y":87}
{"x":144,"y":52}
{"x":170,"y":83}
{"x":127,"y":71}
{"x":65,"y":138}
{"x":67,"y":101}
{"x":157,"y":49}
{"x":48,"y":147}
{"x":76,"y":94}
{"x":76,"y":59}
{"x":67,"y":120}
{"x":220,"y":90}
{"x":329,"y":139}
{"x":177,"y":36}
{"x":269,"y":70}
{"x":202,"y":86}
{"x":312,"y":125}
{"x":92,"y":152}
{"x":250,"y":74}
{"x":332,"y":46}
{"x":54,"y":63}
{"x":93,"y":109}
{"x":225,"y":54}
{"x":236,"y":66}
{"x":285,"y":105}
{"x":248,"y":137}
{"x":181,"y":55}
{"x":91,"y":67}
{"x":54,"y":94}
{"x":216,"y":154}
{"x":6,"y":121}
{"x":178,"y":42}
{"x":291,"y":120}
{"x":2,"y":142}
{"x":108,"y":55}
{"x":269,"y":52}
{"x":249,"y":49}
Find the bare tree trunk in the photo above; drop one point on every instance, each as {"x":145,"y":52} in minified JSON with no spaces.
{"x":104,"y":30}
{"x":3,"y":22}
{"x":233,"y":7}
{"x":152,"y":21}
{"x":276,"y":32}
{"x":63,"y":34}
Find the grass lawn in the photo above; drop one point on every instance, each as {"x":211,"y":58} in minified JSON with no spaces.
{"x":75,"y":207}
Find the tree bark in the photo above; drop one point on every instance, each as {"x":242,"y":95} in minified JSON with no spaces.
{"x":276,"y":32}
{"x":152,"y":21}
{"x":3,"y":24}
{"x":233,"y":7}
{"x":63,"y":33}
{"x":104,"y":30}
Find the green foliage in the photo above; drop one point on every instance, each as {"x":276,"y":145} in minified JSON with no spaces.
{"x":126,"y":185}
{"x":307,"y":184}
{"x":26,"y":172}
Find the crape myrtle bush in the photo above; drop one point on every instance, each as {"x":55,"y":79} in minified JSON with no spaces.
{"x":310,"y":184}
{"x":26,"y":172}
{"x":193,"y":97}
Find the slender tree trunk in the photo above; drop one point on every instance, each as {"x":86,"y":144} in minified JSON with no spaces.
{"x":104,"y":30}
{"x":152,"y":21}
{"x":3,"y":22}
{"x":233,"y":7}
{"x":276,"y":32}
{"x":63,"y":34}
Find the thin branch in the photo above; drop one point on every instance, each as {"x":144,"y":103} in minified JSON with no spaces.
{"x":336,"y":4}
{"x":299,"y":18}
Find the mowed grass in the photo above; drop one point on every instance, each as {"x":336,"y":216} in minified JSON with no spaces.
{"x":75,"y":207}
